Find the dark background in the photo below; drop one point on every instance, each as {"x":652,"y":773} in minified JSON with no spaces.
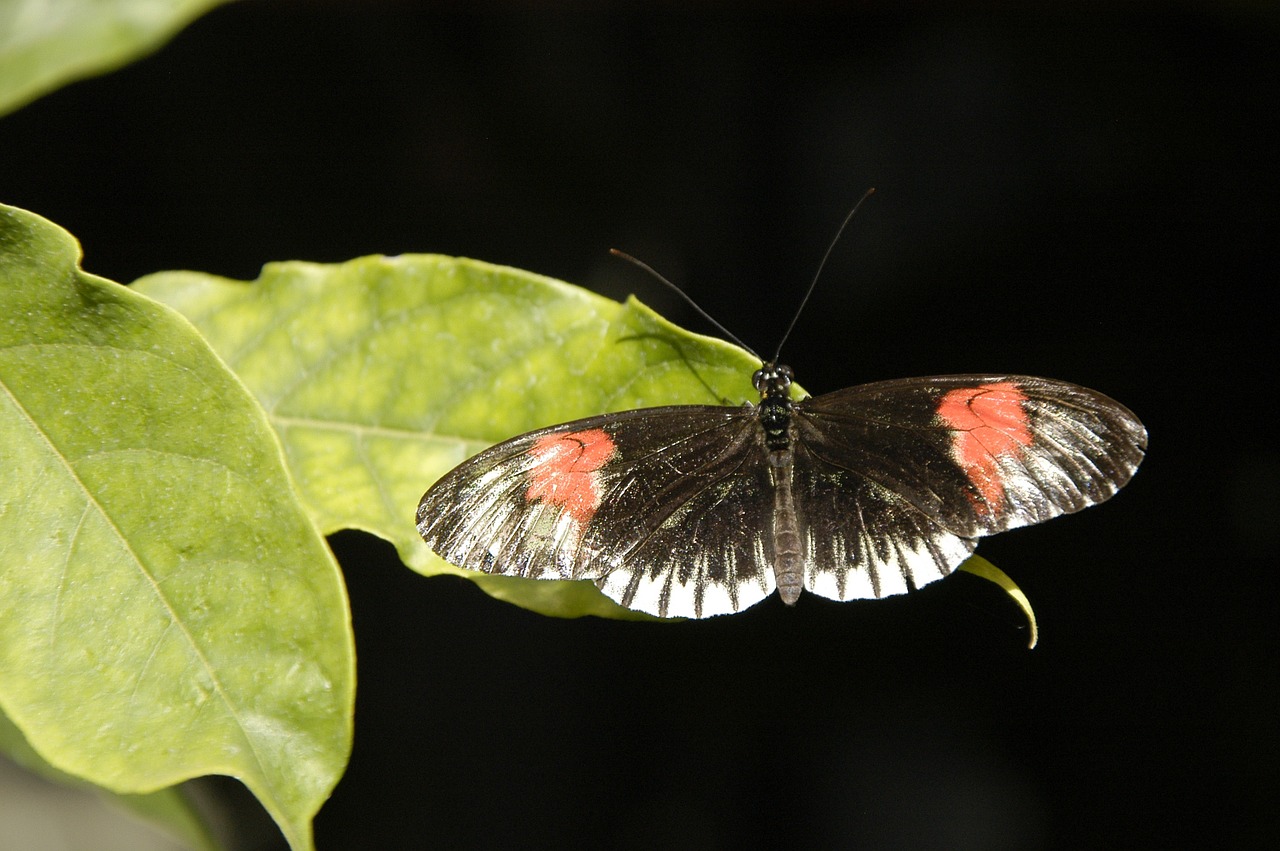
{"x":1079,"y":190}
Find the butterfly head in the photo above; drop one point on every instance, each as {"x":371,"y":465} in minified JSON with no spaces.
{"x":773,"y":381}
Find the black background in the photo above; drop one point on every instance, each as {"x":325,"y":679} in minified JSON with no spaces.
{"x":1080,"y":191}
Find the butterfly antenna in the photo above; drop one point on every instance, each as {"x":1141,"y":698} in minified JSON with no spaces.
{"x":707,"y":316}
{"x":778,"y":352}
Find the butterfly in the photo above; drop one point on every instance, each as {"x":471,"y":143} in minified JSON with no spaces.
{"x":701,"y":510}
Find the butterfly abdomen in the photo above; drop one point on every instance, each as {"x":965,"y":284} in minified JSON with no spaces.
{"x":788,"y":552}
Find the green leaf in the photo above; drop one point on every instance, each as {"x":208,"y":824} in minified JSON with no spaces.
{"x":168,"y":809}
{"x":979,"y":566}
{"x":383,"y":373}
{"x":45,"y":44}
{"x":167,"y":609}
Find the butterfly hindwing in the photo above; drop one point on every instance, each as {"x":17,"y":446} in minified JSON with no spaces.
{"x":863,"y":537}
{"x":698,"y":513}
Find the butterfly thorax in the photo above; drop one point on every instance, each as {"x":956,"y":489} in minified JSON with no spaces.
{"x":774,"y":383}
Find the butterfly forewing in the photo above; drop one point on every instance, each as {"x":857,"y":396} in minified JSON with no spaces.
{"x":979,"y":454}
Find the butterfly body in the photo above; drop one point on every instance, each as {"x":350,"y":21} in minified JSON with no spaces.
{"x":775,"y":415}
{"x":701,"y":510}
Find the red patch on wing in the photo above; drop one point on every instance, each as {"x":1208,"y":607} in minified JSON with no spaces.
{"x":989,"y":422}
{"x":565,"y":471}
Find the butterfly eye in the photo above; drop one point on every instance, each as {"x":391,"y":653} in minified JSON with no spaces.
{"x":757,"y":379}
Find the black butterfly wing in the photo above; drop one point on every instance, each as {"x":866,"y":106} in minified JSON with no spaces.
{"x":664,"y":507}
{"x":897,"y":479}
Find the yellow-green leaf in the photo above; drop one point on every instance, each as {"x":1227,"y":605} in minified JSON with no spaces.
{"x":979,"y":566}
{"x":45,"y":44}
{"x":382,"y":373}
{"x":167,"y":609}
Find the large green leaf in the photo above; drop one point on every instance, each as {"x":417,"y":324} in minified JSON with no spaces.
{"x":167,"y":609}
{"x":383,"y":373}
{"x":47,"y":43}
